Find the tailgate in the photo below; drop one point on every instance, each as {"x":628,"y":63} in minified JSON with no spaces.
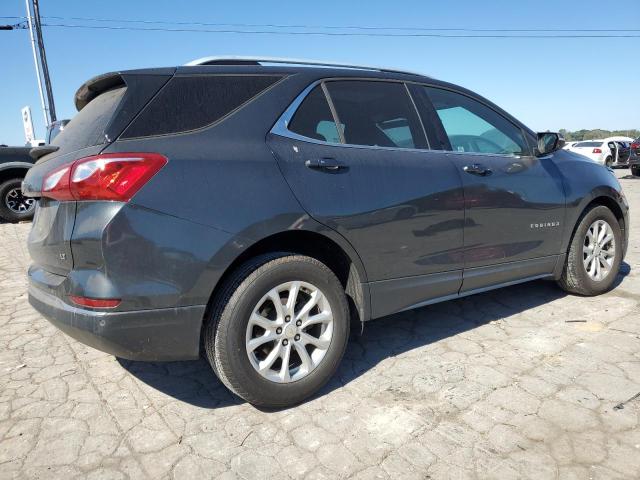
{"x":49,"y":241}
{"x":106,"y":104}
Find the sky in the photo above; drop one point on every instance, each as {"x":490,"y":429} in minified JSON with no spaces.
{"x":547,"y":83}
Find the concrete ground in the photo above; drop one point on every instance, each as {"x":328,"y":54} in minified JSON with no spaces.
{"x":524,"y":382}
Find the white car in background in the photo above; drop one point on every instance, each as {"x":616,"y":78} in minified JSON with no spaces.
{"x":611,"y":151}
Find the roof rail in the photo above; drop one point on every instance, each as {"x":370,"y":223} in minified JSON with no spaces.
{"x":244,"y":60}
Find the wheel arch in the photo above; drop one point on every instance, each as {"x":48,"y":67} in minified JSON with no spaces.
{"x":340,"y":258}
{"x":606,"y":200}
{"x":13,"y":170}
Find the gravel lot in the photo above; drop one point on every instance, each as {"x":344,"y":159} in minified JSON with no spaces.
{"x":524,"y":382}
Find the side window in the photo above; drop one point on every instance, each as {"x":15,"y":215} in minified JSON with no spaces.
{"x":313,"y":118}
{"x":474,"y":127}
{"x":191,"y":102}
{"x":376,"y":114}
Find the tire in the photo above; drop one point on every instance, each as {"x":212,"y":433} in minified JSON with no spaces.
{"x":11,"y":206}
{"x":575,"y":278}
{"x":608,"y":162}
{"x":227,"y":331}
{"x":635,"y":170}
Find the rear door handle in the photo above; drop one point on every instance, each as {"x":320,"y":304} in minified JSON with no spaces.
{"x":477,"y":169}
{"x":327,"y":164}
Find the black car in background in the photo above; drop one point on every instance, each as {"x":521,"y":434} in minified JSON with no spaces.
{"x":634,"y":160}
{"x":14,"y":164}
{"x":257,"y":208}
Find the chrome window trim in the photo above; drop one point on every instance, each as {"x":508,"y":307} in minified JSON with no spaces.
{"x":281,"y":127}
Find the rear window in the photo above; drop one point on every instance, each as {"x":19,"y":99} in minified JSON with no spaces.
{"x":191,"y":102}
{"x":88,"y":127}
{"x":588,"y":144}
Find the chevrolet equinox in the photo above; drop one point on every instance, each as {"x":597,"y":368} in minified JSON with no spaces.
{"x":252,"y":209}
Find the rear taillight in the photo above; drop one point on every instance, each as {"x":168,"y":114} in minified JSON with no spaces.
{"x":95,"y":302}
{"x":635,"y":145}
{"x":110,"y":176}
{"x":597,"y":150}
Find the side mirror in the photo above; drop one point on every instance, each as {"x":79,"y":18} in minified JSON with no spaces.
{"x":549,"y":142}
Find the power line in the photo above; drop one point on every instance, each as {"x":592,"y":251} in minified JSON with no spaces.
{"x":326,"y":27}
{"x":338,"y":34}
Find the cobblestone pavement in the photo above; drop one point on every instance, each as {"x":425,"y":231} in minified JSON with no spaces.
{"x":524,"y":382}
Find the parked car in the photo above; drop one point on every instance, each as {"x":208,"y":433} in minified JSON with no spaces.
{"x":258,"y":207}
{"x":634,"y":158}
{"x":14,"y":163}
{"x":612,"y":151}
{"x":568,"y":145}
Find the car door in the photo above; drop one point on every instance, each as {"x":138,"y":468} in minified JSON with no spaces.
{"x":613,"y":147}
{"x":356,"y":156}
{"x":624,"y":152}
{"x":514,"y":201}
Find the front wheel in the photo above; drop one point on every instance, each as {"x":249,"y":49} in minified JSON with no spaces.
{"x":14,"y":206}
{"x":278,"y":329}
{"x":595,"y":254}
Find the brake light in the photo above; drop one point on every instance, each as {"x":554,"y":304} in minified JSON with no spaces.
{"x":109,"y":176}
{"x":597,"y":150}
{"x":635,"y":145}
{"x":95,"y":302}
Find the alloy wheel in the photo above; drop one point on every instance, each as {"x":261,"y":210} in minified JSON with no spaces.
{"x":599,"y":250}
{"x":289,"y":332}
{"x":17,"y":202}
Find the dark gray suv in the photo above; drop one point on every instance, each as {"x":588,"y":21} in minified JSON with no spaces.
{"x":253,"y":210}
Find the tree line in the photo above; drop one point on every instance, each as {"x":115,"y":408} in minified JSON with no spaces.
{"x":597,"y":134}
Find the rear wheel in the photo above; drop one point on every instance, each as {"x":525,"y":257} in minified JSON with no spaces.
{"x":608,"y":162}
{"x":14,"y":206}
{"x":635,"y":170}
{"x":594,"y":255}
{"x":278,"y":329}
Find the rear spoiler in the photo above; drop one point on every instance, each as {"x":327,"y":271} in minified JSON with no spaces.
{"x":94,"y":87}
{"x":100,"y":84}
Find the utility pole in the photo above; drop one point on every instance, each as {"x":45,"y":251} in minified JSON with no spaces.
{"x":40,"y":61}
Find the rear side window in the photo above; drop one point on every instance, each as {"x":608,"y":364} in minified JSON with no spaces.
{"x":313,"y":119}
{"x":473,"y":127}
{"x":192,"y":102}
{"x":88,"y":127}
{"x":374,"y":113}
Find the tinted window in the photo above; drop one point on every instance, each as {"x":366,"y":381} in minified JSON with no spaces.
{"x":87,"y":128}
{"x":313,"y":118}
{"x":474,"y":127}
{"x":55,"y":129}
{"x":192,"y":102}
{"x":376,"y":114}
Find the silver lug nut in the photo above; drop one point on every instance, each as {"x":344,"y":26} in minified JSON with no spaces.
{"x":299,"y":322}
{"x":296,"y":338}
{"x":285,"y":342}
{"x":278,"y":330}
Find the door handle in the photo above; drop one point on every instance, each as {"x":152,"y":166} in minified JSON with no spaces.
{"x":477,"y":169}
{"x":327,"y":164}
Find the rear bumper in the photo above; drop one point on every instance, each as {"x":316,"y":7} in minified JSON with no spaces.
{"x":152,"y":335}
